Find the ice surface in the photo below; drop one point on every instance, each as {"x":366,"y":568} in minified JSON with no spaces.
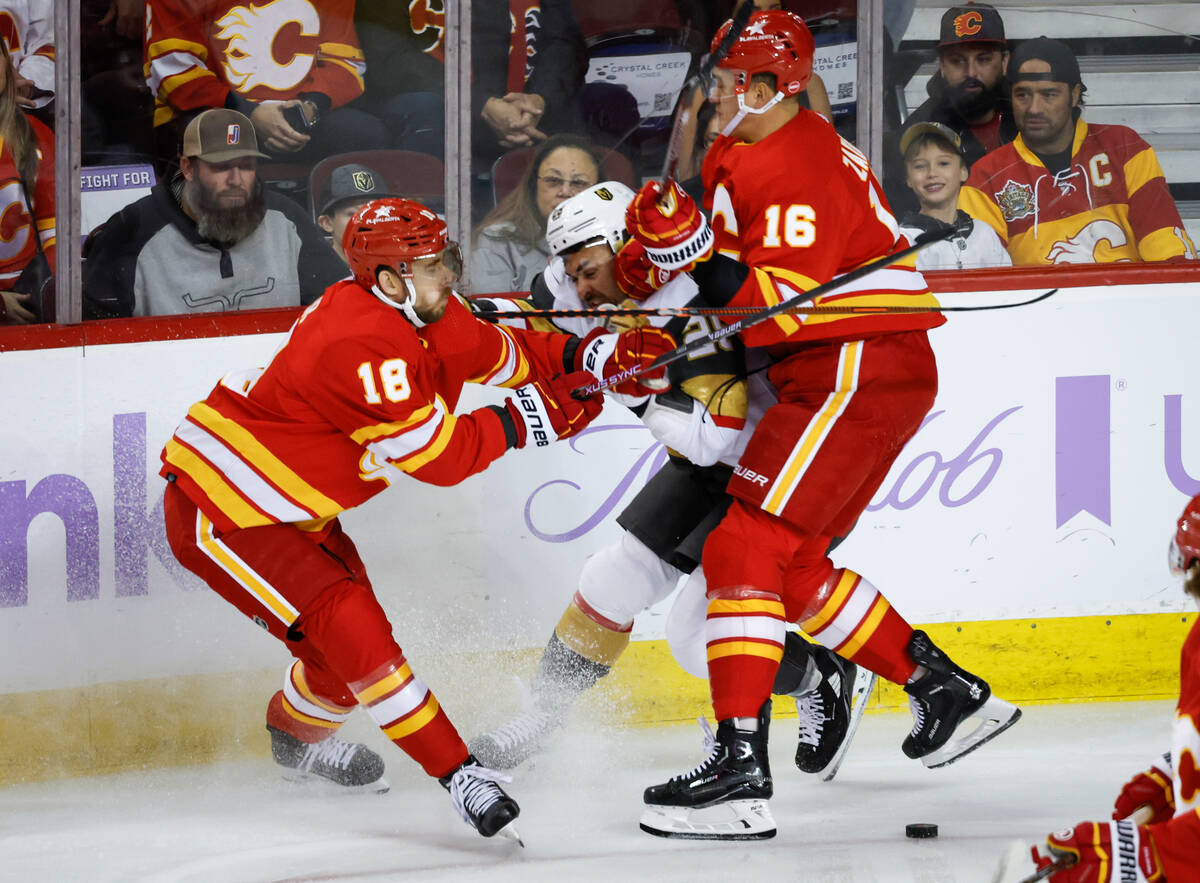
{"x":580,"y":804}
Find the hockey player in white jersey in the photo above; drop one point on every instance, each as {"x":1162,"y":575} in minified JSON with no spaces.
{"x":701,"y":420}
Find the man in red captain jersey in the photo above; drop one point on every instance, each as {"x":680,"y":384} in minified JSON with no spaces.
{"x":800,"y":206}
{"x":1066,"y":191}
{"x":362,"y":392}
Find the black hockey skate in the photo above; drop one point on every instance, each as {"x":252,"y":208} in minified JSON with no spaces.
{"x":942,"y":700}
{"x":725,"y":797}
{"x":480,"y":801}
{"x":829,"y":714}
{"x":352,"y":766}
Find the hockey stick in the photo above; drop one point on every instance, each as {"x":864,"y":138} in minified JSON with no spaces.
{"x":607,"y":312}
{"x":762,"y":315}
{"x":1053,"y":868}
{"x":684,"y":115}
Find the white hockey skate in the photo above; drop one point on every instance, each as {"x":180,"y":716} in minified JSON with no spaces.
{"x":830,"y":713}
{"x":943,"y":701}
{"x":725,"y":797}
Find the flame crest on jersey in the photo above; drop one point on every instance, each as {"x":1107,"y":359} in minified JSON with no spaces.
{"x":252,"y":59}
{"x":967,"y":24}
{"x":1015,"y":201}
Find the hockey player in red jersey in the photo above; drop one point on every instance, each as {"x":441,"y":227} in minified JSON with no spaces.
{"x":1155,"y":833}
{"x":362,"y":392}
{"x":800,"y":206}
{"x":702,"y":421}
{"x":1066,"y":191}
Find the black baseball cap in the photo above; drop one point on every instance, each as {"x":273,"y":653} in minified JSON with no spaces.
{"x":1064,"y":67}
{"x":351,"y":182}
{"x":971,"y":23}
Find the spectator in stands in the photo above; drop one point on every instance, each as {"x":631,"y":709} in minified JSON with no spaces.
{"x":27,"y":180}
{"x":209,"y":239}
{"x":968,"y":92}
{"x":527,"y":57}
{"x":1066,"y":192}
{"x":29,"y":40}
{"x":510,"y":247}
{"x":292,"y":69}
{"x":936,"y":171}
{"x":348,"y":189}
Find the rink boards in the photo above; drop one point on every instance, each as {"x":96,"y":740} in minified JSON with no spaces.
{"x":1025,"y":526}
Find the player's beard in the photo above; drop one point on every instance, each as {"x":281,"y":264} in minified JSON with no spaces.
{"x":971,"y":105}
{"x":224,"y":226}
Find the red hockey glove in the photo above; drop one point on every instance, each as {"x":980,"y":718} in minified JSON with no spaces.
{"x":636,"y":275}
{"x":670,"y":225}
{"x":543,"y":412}
{"x":1102,"y":852}
{"x":1150,"y":794}
{"x":605,"y":355}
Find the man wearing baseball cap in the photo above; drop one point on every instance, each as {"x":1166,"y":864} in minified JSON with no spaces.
{"x":348,"y":189}
{"x":1065,"y":191}
{"x":209,"y":239}
{"x":968,"y":93}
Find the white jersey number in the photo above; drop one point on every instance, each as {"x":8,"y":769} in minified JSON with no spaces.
{"x":393,"y":375}
{"x":799,"y":226}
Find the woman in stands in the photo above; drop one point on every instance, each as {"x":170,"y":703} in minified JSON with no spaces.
{"x":26,"y":203}
{"x":510,"y":243}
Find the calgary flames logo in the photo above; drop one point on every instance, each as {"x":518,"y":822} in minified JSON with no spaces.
{"x":1082,"y":247}
{"x":968,"y":24}
{"x":422,"y":17}
{"x":251,"y":57}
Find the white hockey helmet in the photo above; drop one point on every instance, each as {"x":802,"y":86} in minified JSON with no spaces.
{"x":596,"y":214}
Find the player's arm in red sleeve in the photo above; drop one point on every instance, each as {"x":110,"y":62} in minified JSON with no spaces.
{"x":43,"y":190}
{"x":340,"y":65}
{"x":1177,"y":843}
{"x":386,"y":399}
{"x":1159,"y":232}
{"x":177,"y":57}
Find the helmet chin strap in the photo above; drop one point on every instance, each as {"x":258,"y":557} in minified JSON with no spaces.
{"x":406,"y":306}
{"x":744,"y":109}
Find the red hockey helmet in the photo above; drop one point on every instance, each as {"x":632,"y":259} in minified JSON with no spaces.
{"x":392,"y":233}
{"x":1185,"y":546}
{"x":774,"y":42}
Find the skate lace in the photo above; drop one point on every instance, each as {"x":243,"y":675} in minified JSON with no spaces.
{"x":473,"y":789}
{"x":526,"y":725}
{"x":918,"y":711}
{"x":811,"y":711}
{"x":710,"y":750}
{"x":332,"y":752}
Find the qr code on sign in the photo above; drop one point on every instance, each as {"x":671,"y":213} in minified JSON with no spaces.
{"x":662,"y":101}
{"x":845,"y":90}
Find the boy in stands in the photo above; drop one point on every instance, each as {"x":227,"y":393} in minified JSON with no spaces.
{"x":361,"y":393}
{"x":799,"y":206}
{"x":935,"y":171}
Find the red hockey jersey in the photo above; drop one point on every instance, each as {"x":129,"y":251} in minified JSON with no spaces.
{"x":355,"y":397}
{"x":801,"y":207}
{"x":1177,"y":842}
{"x":197,"y":51}
{"x":1111,"y":204}
{"x":17,"y":229}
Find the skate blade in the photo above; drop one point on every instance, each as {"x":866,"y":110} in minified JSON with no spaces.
{"x":864,"y":683}
{"x":322,"y":786}
{"x":1015,"y":866}
{"x":995,"y":716}
{"x":729,"y":820}
{"x":509,"y":832}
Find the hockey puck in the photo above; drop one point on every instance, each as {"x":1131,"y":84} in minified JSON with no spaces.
{"x":920,"y":830}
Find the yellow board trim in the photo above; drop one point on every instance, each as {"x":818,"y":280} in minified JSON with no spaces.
{"x":205,"y":718}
